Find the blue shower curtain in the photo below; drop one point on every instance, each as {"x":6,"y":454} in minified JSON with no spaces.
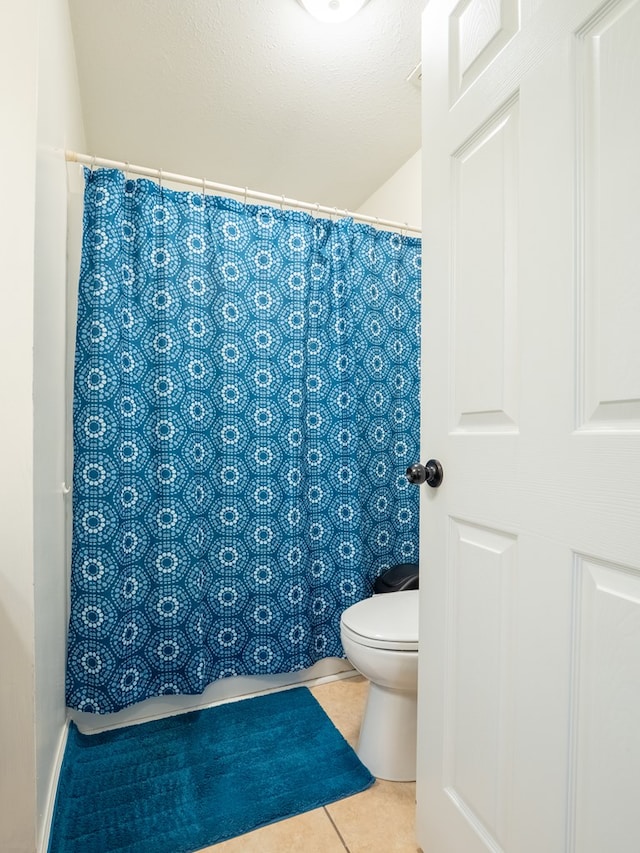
{"x":245,"y":406}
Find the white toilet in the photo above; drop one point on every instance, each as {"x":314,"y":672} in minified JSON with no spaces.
{"x":380,"y":639}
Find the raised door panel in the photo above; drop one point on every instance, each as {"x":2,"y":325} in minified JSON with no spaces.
{"x":478,"y":30}
{"x":484,"y":264}
{"x":477,"y":718}
{"x":608,"y":73}
{"x":606,"y":746}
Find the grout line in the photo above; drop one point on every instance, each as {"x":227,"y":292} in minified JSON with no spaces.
{"x":333,"y":823}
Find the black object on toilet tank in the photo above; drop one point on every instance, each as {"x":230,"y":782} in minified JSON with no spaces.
{"x":398,"y":578}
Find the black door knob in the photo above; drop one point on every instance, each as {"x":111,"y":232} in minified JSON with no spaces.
{"x":431,"y":474}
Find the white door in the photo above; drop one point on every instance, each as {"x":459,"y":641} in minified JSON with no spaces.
{"x":529,"y":680}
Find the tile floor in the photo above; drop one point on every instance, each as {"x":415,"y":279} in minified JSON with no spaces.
{"x":379,"y":820}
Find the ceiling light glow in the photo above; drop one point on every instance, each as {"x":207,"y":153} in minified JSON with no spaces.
{"x":332,"y":11}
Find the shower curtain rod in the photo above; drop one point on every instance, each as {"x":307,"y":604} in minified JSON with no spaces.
{"x":161,"y":175}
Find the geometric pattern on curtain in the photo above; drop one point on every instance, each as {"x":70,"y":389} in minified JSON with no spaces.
{"x":245,"y":406}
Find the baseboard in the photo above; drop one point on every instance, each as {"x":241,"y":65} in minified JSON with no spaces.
{"x":47,"y":817}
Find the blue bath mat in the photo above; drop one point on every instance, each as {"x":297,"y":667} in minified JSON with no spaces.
{"x":182,"y":783}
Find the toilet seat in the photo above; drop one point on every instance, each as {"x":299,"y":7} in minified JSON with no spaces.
{"x":388,"y":621}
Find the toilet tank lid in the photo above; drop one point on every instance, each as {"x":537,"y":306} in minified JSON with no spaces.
{"x":392,"y":616}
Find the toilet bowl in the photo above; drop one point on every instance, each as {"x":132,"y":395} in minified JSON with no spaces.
{"x":380,"y":639}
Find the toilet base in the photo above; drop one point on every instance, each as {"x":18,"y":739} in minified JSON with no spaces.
{"x":387,"y":744}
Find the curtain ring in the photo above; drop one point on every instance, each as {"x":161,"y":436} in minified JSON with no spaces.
{"x":317,"y":208}
{"x":93,"y":163}
{"x":160,"y":178}
{"x":281,"y":202}
{"x":204,"y":188}
{"x":126,"y":171}
{"x":246,"y":192}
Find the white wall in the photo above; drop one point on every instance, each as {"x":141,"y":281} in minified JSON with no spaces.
{"x":41,"y":115}
{"x":400,"y":197}
{"x":59,"y":126}
{"x":18,"y":107}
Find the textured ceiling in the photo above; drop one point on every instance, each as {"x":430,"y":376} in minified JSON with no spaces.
{"x":252,"y":92}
